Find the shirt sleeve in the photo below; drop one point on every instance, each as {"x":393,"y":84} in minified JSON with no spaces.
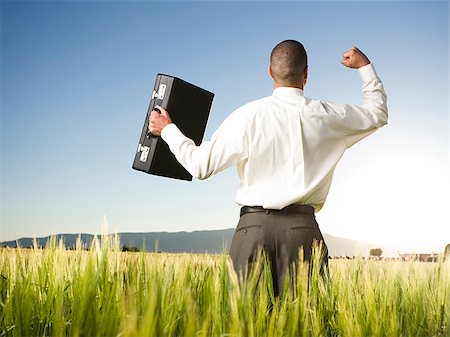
{"x":357,"y":122}
{"x":227,"y":147}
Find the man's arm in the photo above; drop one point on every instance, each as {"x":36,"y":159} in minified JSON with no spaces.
{"x":357,"y":122}
{"x":227,"y":147}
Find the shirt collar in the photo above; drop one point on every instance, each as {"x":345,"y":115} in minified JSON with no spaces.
{"x":288,"y":94}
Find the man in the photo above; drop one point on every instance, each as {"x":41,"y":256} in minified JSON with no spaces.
{"x":285,"y":147}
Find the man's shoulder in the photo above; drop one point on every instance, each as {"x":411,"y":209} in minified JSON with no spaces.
{"x":254,"y":106}
{"x":271,"y":103}
{"x":258,"y":102}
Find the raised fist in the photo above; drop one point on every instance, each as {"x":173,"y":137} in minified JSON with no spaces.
{"x":354,"y":58}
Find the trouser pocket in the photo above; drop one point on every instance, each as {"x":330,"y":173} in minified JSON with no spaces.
{"x":245,"y":245}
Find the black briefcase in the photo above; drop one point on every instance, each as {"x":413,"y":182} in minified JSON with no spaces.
{"x":188,"y":106}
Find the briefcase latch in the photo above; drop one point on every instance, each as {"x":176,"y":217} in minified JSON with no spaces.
{"x":144,"y":150}
{"x":160,"y":93}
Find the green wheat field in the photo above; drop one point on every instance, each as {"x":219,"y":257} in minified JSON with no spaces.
{"x":102,"y":291}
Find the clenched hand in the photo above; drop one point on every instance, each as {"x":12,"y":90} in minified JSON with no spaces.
{"x":158,"y":121}
{"x":354,"y":58}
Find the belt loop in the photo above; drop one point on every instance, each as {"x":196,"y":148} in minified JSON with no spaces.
{"x":267,"y":211}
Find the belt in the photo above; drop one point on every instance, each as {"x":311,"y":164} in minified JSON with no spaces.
{"x":291,"y":209}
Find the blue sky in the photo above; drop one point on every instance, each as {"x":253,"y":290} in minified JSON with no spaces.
{"x":76,"y":83}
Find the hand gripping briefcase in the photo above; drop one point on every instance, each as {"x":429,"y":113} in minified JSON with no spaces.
{"x":188,"y":107}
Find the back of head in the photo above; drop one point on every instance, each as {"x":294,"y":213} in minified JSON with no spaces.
{"x":288,"y":61}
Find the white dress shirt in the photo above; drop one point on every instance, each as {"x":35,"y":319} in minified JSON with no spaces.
{"x":285,"y":146}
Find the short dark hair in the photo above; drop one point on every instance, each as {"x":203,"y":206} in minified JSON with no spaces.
{"x":288,"y":61}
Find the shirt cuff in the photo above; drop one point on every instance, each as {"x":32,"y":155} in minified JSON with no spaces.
{"x":169,"y":132}
{"x":367,"y":72}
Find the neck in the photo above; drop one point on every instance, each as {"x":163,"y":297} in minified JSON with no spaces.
{"x":285,"y":85}
{"x":299,"y":85}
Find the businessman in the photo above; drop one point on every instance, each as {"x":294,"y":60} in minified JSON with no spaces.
{"x":286,"y":147}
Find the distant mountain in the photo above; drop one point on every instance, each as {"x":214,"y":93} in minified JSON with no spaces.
{"x":206,"y":241}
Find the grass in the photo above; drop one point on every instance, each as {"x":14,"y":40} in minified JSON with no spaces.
{"x":105,"y":292}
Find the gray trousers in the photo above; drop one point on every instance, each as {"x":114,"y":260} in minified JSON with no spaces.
{"x":280,"y":235}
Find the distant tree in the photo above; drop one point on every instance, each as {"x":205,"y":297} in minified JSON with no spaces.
{"x":376,"y":252}
{"x":447,"y":252}
{"x":125,"y":248}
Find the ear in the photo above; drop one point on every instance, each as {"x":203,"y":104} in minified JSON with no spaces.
{"x":305,"y":76}
{"x":270,"y":71}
